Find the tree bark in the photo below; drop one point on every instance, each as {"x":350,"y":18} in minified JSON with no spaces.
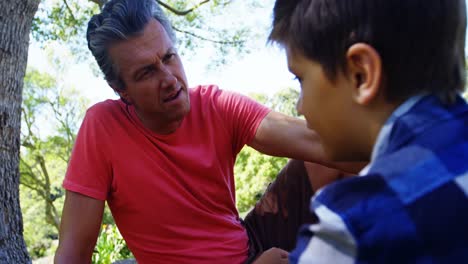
{"x":15,"y":24}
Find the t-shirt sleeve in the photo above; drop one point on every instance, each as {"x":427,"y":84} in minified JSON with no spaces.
{"x":242,"y":116}
{"x":89,"y":170}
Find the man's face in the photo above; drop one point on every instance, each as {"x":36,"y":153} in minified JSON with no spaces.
{"x":325,"y":104}
{"x":154,"y":76}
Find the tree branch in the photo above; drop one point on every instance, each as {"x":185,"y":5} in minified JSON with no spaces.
{"x":69,"y":10}
{"x":31,"y":180}
{"x":29,"y":136}
{"x":51,"y":214}
{"x":182,"y":13}
{"x":228,"y":2}
{"x":223,"y":42}
{"x":39,"y":192}
{"x":65,"y":125}
{"x":31,"y":174}
{"x":45,"y":172}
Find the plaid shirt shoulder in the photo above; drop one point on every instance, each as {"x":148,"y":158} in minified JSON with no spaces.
{"x":411,"y":207}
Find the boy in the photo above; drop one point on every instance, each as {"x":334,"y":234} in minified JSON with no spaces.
{"x":381,"y":80}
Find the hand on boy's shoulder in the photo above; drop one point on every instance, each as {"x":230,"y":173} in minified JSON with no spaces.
{"x":273,"y":256}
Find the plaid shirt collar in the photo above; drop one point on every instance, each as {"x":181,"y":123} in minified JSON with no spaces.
{"x":383,"y":137}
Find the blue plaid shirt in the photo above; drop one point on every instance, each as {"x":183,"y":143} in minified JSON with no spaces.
{"x":411,"y":206}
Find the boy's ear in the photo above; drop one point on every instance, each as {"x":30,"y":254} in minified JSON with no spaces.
{"x":365,"y":70}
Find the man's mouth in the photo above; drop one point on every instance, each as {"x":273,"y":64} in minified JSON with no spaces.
{"x":172,"y":96}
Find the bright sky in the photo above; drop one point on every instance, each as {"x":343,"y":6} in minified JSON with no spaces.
{"x":263,"y":70}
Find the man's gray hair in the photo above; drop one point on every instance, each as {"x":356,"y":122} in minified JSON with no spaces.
{"x":120,"y":20}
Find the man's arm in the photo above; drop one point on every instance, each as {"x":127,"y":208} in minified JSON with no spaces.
{"x":285,"y":136}
{"x":79,"y":228}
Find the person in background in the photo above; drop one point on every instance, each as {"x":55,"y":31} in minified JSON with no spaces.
{"x":284,"y":207}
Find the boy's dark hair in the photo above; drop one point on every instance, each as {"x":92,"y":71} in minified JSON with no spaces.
{"x":421,"y":42}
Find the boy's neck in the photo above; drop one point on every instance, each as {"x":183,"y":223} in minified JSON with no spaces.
{"x":375,"y":118}
{"x":384,"y":111}
{"x":402,"y":108}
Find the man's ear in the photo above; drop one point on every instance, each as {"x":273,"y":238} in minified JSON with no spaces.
{"x":121,"y":92}
{"x":364,"y":67}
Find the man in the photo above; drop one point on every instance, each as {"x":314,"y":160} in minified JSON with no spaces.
{"x":163,"y":155}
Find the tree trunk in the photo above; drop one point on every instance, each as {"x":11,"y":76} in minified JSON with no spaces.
{"x":15,"y":24}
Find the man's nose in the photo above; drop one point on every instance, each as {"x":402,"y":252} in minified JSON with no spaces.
{"x":168,"y":79}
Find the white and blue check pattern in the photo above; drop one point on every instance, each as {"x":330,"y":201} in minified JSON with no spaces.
{"x":411,"y":204}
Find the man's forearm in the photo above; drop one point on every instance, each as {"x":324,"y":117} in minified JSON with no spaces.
{"x":64,"y":256}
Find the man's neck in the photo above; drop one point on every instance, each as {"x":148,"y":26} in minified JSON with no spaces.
{"x":158,"y":126}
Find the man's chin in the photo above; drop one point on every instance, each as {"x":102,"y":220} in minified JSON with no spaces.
{"x":181,"y":113}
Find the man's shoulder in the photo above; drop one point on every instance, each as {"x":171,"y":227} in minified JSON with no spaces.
{"x":212,"y":91}
{"x":107,"y":114}
{"x":211,"y":96}
{"x":105,"y":108}
{"x":205,"y":89}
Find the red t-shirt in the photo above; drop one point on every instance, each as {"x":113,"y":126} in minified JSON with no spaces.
{"x":172,"y":196}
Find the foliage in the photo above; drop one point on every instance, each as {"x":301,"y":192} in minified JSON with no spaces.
{"x":50,"y":116}
{"x":199,"y":25}
{"x":283,"y":101}
{"x":110,"y":246}
{"x":61,"y":20}
{"x":44,"y":99}
{"x":38,"y":234}
{"x":205,"y":29}
{"x":253,"y":170}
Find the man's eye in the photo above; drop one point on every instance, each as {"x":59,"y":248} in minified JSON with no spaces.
{"x":145,"y":73}
{"x":169,"y":57}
